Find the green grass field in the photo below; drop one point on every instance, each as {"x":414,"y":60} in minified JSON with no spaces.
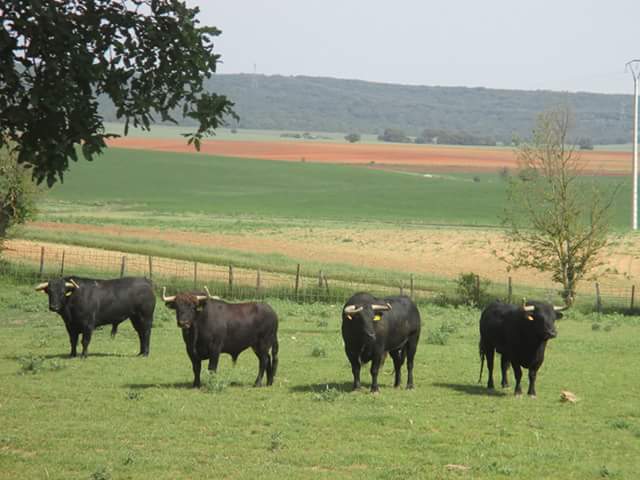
{"x":117,"y":416}
{"x":176,"y":184}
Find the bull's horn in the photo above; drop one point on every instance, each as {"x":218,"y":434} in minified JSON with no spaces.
{"x":560,"y":309}
{"x":213,"y":297}
{"x":528,"y":308}
{"x":379,"y":307}
{"x":42,"y":286}
{"x":166,"y":299}
{"x":201,"y":298}
{"x":71,"y":284}
{"x":351,"y":309}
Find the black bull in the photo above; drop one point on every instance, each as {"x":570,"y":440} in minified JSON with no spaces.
{"x":520,"y":334}
{"x":371,"y":327}
{"x":85,"y":304}
{"x":211,"y":326}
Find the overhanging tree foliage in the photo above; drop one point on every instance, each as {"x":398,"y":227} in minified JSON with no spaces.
{"x":557,"y":221}
{"x":150,"y":57}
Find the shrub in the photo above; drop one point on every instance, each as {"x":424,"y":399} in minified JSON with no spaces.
{"x":352,"y":137}
{"x":472,"y":289}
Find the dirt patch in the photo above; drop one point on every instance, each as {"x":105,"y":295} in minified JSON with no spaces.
{"x":422,"y":158}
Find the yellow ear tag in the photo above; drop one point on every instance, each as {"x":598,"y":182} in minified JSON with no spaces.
{"x":377,"y":317}
{"x":68,"y":294}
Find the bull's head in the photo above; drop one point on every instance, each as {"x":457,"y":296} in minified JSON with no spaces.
{"x":542,"y":317}
{"x":58,"y":290}
{"x":186,"y":305}
{"x":365,"y":315}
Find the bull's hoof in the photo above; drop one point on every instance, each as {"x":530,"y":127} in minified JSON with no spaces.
{"x":410,"y":386}
{"x":532,"y":395}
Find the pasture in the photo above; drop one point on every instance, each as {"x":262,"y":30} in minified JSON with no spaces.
{"x":114,"y":415}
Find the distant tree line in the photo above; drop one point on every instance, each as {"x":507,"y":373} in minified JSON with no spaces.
{"x":435,"y":136}
{"x":314,"y":104}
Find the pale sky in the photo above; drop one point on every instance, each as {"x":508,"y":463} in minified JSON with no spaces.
{"x":568,"y":45}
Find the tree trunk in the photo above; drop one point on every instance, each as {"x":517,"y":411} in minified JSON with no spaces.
{"x":5,"y":220}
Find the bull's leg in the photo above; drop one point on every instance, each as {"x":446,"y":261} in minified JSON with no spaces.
{"x":504,"y":366}
{"x":533,"y":373}
{"x":517,"y":372}
{"x":489,"y":354}
{"x":411,"y":347}
{"x":73,"y":340}
{"x":355,"y":368}
{"x":398,"y":359}
{"x":263,"y":361}
{"x":376,"y":361}
{"x":86,"y":339}
{"x":142,"y":327}
{"x":273,"y":364}
{"x":196,"y":364}
{"x":214,"y":356}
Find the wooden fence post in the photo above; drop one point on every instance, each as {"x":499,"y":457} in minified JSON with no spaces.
{"x":258,"y":283}
{"x":477,"y":292}
{"x":401,"y":288}
{"x":41,"y":261}
{"x":326,"y":282}
{"x":123,"y":265}
{"x":230,"y":280}
{"x":62,"y":265}
{"x":598,"y":299}
{"x":320,"y":279}
{"x":297,"y":280}
{"x":633,"y":295}
{"x":150,"y":268}
{"x":195,"y":274}
{"x":509,"y":291}
{"x":411,"y":286}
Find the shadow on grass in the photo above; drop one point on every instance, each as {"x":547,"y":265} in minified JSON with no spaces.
{"x":472,"y":389}
{"x":319,"y":387}
{"x":65,"y":356}
{"x":171,"y":385}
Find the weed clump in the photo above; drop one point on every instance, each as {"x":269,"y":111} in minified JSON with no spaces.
{"x":327,"y":394}
{"x":213,"y":383}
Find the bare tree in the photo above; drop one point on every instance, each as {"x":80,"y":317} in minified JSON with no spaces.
{"x":557,"y":221}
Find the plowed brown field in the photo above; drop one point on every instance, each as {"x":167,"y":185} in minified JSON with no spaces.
{"x":412,"y":157}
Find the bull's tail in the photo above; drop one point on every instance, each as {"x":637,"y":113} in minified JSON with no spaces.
{"x":482,"y":355}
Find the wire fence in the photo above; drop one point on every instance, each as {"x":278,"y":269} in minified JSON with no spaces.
{"x":30,"y":262}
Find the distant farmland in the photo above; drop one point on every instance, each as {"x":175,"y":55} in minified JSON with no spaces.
{"x":186,"y":182}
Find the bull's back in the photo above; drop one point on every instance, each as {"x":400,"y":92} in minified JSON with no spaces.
{"x":112,"y":301}
{"x":240,"y":325}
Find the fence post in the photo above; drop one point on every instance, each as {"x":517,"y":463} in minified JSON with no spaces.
{"x":150,"y":267}
{"x":509,"y":291}
{"x":477,"y":293}
{"x":598,"y":299}
{"x":320,"y":279}
{"x":258,"y":283}
{"x":195,"y":274}
{"x":411,"y":285}
{"x":41,"y":261}
{"x":297,"y":280}
{"x":123,"y":265}
{"x":230,"y":280}
{"x":633,"y":295}
{"x":401,"y":288}
{"x":62,"y":265}
{"x":326,"y":283}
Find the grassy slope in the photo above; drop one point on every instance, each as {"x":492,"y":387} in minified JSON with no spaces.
{"x":181,"y":183}
{"x":135,"y":418}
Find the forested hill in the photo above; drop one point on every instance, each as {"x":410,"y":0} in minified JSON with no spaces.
{"x":335,"y":105}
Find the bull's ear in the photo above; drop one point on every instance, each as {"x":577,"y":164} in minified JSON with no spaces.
{"x":558,"y":315}
{"x":170,"y":304}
